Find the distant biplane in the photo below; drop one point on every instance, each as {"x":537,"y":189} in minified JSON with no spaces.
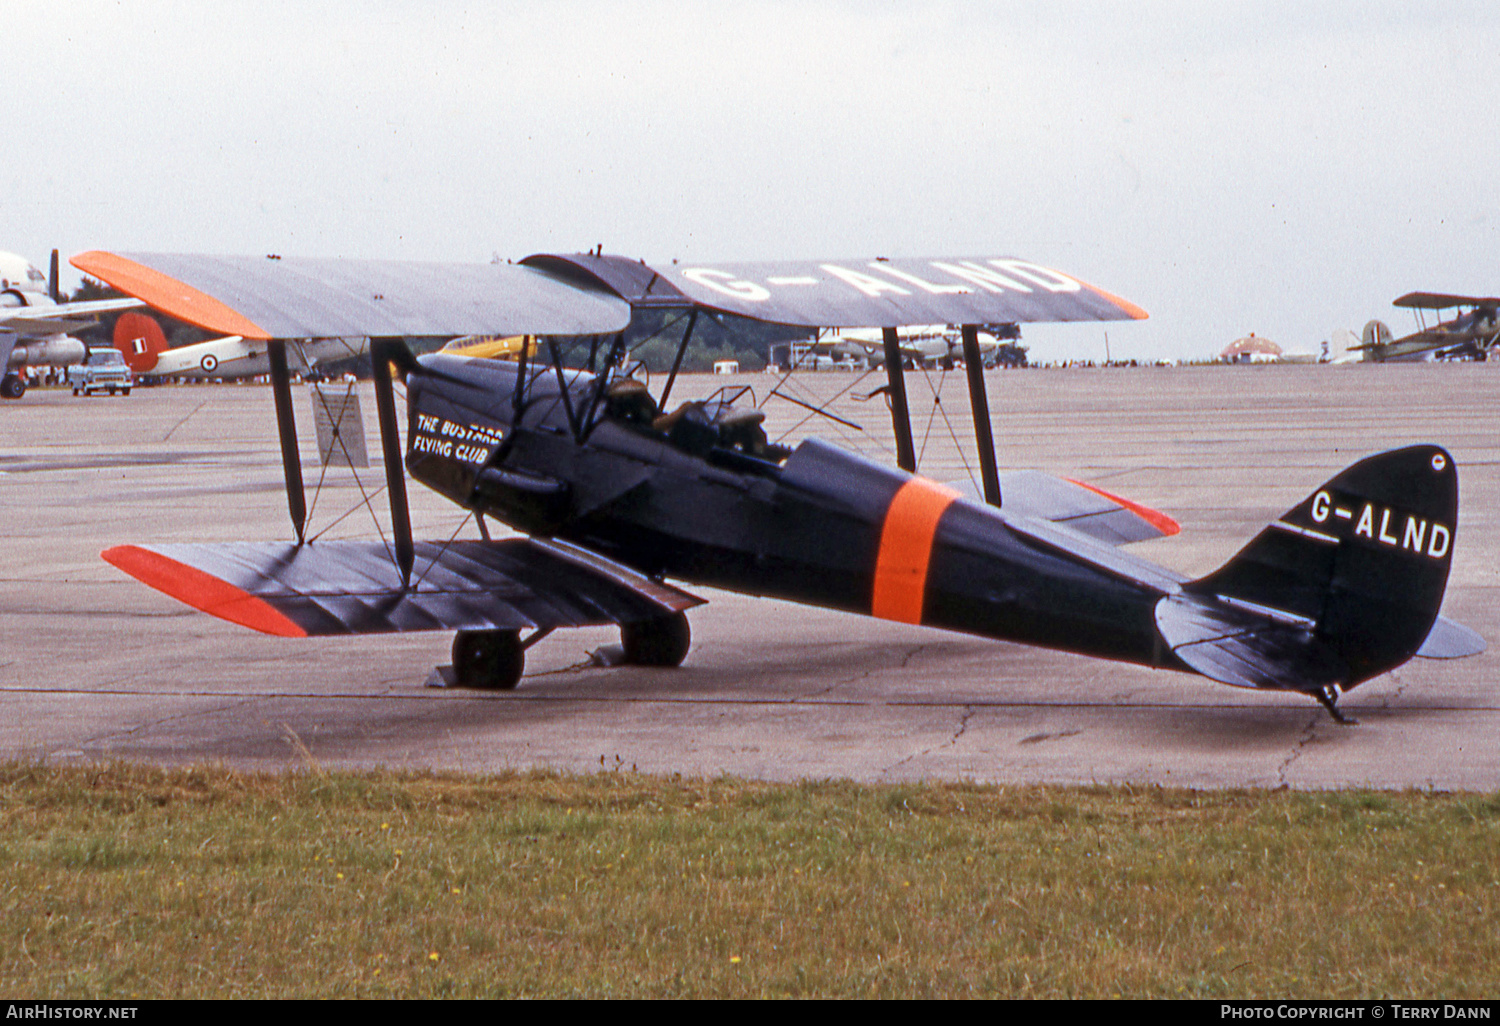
{"x":618,"y":491}
{"x":1471,"y":333}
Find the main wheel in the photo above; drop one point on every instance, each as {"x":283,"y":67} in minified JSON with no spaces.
{"x":492,"y":660}
{"x":662,"y":642}
{"x":12,"y":386}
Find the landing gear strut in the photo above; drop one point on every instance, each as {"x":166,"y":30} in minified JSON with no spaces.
{"x":491,"y":660}
{"x":1328,"y":698}
{"x":660,"y":642}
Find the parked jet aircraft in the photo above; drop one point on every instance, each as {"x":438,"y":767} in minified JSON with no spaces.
{"x":34,"y":322}
{"x":1472,"y":332}
{"x":618,"y":491}
{"x":931,"y":345}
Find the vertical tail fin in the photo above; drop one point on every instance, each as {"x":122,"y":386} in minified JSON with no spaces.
{"x":1346,"y":585}
{"x":1374,"y":339}
{"x":140,"y":340}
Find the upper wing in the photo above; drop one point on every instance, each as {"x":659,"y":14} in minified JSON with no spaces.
{"x":271,"y":297}
{"x":49,"y":319}
{"x":261,"y":297}
{"x":351,"y":587}
{"x":862,"y":293}
{"x":1442,"y":301}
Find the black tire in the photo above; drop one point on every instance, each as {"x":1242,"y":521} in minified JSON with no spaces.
{"x":124,"y":391}
{"x":663,"y":642}
{"x":12,"y":386}
{"x":489,"y":660}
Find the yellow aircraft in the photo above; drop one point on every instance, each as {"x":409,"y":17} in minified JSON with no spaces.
{"x":494,"y":347}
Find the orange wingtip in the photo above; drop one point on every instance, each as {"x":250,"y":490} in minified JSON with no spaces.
{"x":1163,"y":523}
{"x":200,"y":590}
{"x":167,"y":294}
{"x":1132,"y":311}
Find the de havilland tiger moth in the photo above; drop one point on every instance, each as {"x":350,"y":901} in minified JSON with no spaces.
{"x":618,"y":494}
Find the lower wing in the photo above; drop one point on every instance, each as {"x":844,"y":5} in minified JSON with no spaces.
{"x":354,"y":587}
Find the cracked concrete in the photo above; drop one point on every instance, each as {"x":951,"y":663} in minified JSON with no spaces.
{"x":95,"y":666}
{"x":963,"y":724}
{"x":1296,"y":750}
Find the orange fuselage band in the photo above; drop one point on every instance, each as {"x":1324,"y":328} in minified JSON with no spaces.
{"x":906,"y":549}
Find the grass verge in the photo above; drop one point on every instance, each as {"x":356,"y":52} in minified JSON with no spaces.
{"x":133,"y":882}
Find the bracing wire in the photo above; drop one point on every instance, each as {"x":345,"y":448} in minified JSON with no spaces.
{"x":939,"y":408}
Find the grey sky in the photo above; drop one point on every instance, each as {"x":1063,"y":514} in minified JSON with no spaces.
{"x":1286,"y":169}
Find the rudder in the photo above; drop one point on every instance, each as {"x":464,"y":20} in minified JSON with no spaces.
{"x":140,"y":340}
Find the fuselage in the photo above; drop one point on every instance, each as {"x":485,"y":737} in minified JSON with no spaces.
{"x":821,"y":526}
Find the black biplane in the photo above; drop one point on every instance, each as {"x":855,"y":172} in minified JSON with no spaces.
{"x":617,"y":491}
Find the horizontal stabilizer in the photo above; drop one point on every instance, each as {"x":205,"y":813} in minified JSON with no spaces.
{"x":354,"y":587}
{"x":1072,"y":504}
{"x":1245,"y":648}
{"x":1449,"y":640}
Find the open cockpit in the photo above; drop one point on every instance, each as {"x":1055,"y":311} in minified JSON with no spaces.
{"x":698,"y":426}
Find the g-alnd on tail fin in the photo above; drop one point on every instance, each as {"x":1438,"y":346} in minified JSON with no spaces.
{"x":1343,"y":587}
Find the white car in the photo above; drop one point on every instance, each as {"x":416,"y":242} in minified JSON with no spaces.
{"x":104,"y":369}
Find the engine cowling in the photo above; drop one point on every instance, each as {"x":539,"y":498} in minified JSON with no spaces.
{"x":58,"y":351}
